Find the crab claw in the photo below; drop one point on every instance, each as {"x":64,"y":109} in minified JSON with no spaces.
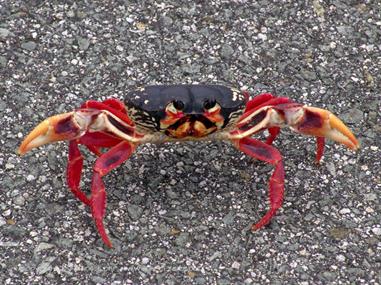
{"x":320,"y":123}
{"x":56,"y":128}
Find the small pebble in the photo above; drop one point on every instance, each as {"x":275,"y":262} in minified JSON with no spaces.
{"x":180,"y":164}
{"x":7,"y":213}
{"x":19,"y":200}
{"x":344,"y":211}
{"x":236,"y":265}
{"x":9,"y":166}
{"x":377,"y":231}
{"x":30,"y":177}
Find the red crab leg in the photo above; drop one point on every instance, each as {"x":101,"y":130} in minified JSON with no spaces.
{"x":274,"y":132}
{"x":112,"y":105}
{"x":75,"y":161}
{"x":103,"y":165}
{"x":258,"y":100}
{"x":74,"y":172}
{"x":97,"y":140}
{"x":320,"y":142}
{"x":93,"y":141}
{"x":271,"y":155}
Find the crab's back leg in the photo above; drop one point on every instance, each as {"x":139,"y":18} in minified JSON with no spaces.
{"x":271,"y":155}
{"x":103,"y":165}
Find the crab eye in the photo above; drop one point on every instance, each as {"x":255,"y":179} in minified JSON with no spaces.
{"x":175,"y":107}
{"x":210,"y":105}
{"x":179,"y":105}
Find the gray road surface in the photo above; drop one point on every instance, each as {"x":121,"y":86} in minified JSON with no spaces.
{"x":180,"y":213}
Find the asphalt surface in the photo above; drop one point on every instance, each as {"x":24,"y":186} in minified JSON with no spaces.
{"x":180,"y":213}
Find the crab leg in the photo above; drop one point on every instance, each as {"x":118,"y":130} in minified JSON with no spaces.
{"x":271,"y":155}
{"x":74,"y":172}
{"x":93,"y":141}
{"x":258,"y":101}
{"x":302,"y":119}
{"x":274,"y":132}
{"x":103,"y":165}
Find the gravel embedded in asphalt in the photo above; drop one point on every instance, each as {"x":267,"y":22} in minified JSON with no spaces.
{"x":181,"y":213}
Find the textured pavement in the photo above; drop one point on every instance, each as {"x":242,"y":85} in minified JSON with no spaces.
{"x":180,"y":213}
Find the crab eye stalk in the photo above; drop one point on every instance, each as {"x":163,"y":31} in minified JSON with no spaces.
{"x":211,"y":106}
{"x":175,"y":107}
{"x":179,"y":105}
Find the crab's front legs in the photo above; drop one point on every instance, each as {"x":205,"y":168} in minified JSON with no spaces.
{"x":302,"y":119}
{"x":271,"y":155}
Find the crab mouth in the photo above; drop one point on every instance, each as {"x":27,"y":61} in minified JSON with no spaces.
{"x":194,"y":125}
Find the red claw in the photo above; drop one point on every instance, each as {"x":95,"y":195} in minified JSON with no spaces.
{"x":56,"y":128}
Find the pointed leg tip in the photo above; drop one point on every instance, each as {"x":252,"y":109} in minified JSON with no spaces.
{"x":254,"y":228}
{"x":106,"y":240}
{"x":102,"y":232}
{"x":108,"y":243}
{"x":259,"y":225}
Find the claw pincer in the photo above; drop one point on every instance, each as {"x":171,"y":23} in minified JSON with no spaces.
{"x":55,"y":128}
{"x":113,"y":129}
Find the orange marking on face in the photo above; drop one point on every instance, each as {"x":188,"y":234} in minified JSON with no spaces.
{"x":170,"y":119}
{"x":189,"y":127}
{"x":200,"y":130}
{"x":215,"y":117}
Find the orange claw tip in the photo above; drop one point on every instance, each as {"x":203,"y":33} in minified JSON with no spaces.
{"x":35,"y":138}
{"x":322,"y":123}
{"x":344,"y":135}
{"x":55,"y":128}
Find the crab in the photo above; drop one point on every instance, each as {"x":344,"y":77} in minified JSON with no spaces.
{"x":112,"y":130}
